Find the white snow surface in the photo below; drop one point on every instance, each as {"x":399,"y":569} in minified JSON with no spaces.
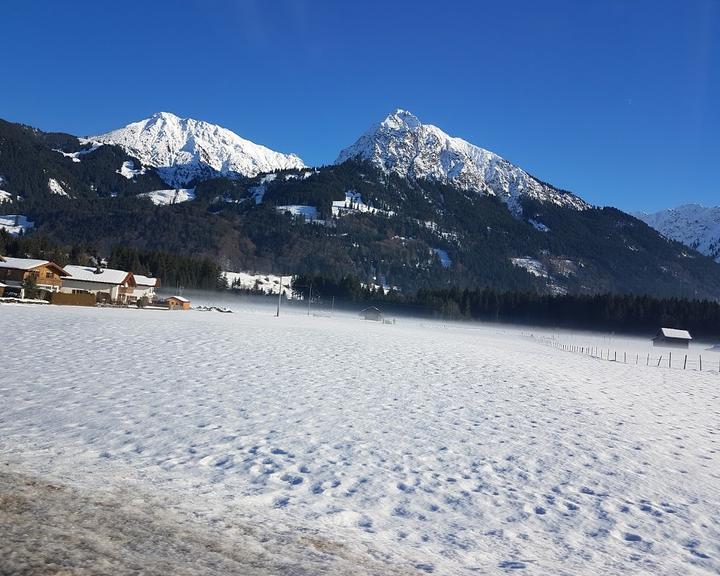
{"x":675,"y":333}
{"x":268,"y":283}
{"x":456,"y":449}
{"x":15,"y":223}
{"x":183,"y":149}
{"x":352,"y":203}
{"x":88,"y":274}
{"x":5,"y":196}
{"x":21,"y":263}
{"x":304,"y":211}
{"x":172,"y":196}
{"x":75,"y":156}
{"x":56,"y":188}
{"x":403,"y":145}
{"x":694,"y":225}
{"x":129,"y":171}
{"x":532,"y":265}
{"x":445,"y":259}
{"x":539,"y":226}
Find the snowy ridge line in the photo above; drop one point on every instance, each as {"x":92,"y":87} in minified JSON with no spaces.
{"x":696,"y":226}
{"x":401,"y":144}
{"x":184,"y":149}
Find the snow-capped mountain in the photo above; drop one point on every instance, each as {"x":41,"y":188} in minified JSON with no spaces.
{"x":403,"y":145}
{"x":183,"y":149}
{"x":693,"y":225}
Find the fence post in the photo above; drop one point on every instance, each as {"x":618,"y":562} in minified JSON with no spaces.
{"x":659,"y":360}
{"x":700,"y":362}
{"x":685,"y":363}
{"x":648,"y":361}
{"x":637,"y":359}
{"x":625,"y":357}
{"x":615,"y":356}
{"x":670,"y":360}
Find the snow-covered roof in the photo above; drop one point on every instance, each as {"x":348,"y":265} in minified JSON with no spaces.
{"x":675,"y":333}
{"x":178,"y":298}
{"x":21,"y":263}
{"x":106,"y":275}
{"x":141,"y":280}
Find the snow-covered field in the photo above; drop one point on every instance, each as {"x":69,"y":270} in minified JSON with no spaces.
{"x":415,"y":447}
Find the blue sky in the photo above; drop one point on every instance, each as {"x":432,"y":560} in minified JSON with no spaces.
{"x":616,"y":100}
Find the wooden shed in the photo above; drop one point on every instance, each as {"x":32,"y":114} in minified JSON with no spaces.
{"x":672,"y":337}
{"x":372,"y":313}
{"x":178,"y":303}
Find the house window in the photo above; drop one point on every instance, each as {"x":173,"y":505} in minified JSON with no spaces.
{"x":49,"y":275}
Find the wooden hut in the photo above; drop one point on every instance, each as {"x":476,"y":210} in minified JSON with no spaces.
{"x":372,"y":313}
{"x":672,"y":337}
{"x":178,"y":303}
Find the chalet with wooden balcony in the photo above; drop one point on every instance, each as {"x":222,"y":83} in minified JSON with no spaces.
{"x":19,"y":273}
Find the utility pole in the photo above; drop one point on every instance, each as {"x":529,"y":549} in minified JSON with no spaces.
{"x":277,"y":315}
{"x":309,"y":297}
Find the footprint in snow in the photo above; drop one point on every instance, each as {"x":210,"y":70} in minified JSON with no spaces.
{"x":512,"y":565}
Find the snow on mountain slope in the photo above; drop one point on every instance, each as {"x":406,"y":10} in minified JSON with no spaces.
{"x":695,"y":226}
{"x":183,"y":149}
{"x":15,"y":224}
{"x":403,"y":145}
{"x":173,"y":196}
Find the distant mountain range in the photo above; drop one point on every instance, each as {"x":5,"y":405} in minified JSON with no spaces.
{"x":692,"y":224}
{"x":405,"y":206}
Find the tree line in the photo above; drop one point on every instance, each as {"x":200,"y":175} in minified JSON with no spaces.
{"x":172,"y":269}
{"x":628,"y":313}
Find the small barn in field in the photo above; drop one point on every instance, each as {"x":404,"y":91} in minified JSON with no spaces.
{"x":372,"y":313}
{"x":177,"y":303}
{"x":672,"y":337}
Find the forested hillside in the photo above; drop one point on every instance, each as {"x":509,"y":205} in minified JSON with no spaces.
{"x":349,"y":219}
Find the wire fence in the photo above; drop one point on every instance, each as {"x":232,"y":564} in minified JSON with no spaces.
{"x":672,"y":359}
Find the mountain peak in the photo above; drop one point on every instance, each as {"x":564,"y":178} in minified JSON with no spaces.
{"x":184,"y":149}
{"x":166,"y":116}
{"x":401,"y":119}
{"x":402,"y":145}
